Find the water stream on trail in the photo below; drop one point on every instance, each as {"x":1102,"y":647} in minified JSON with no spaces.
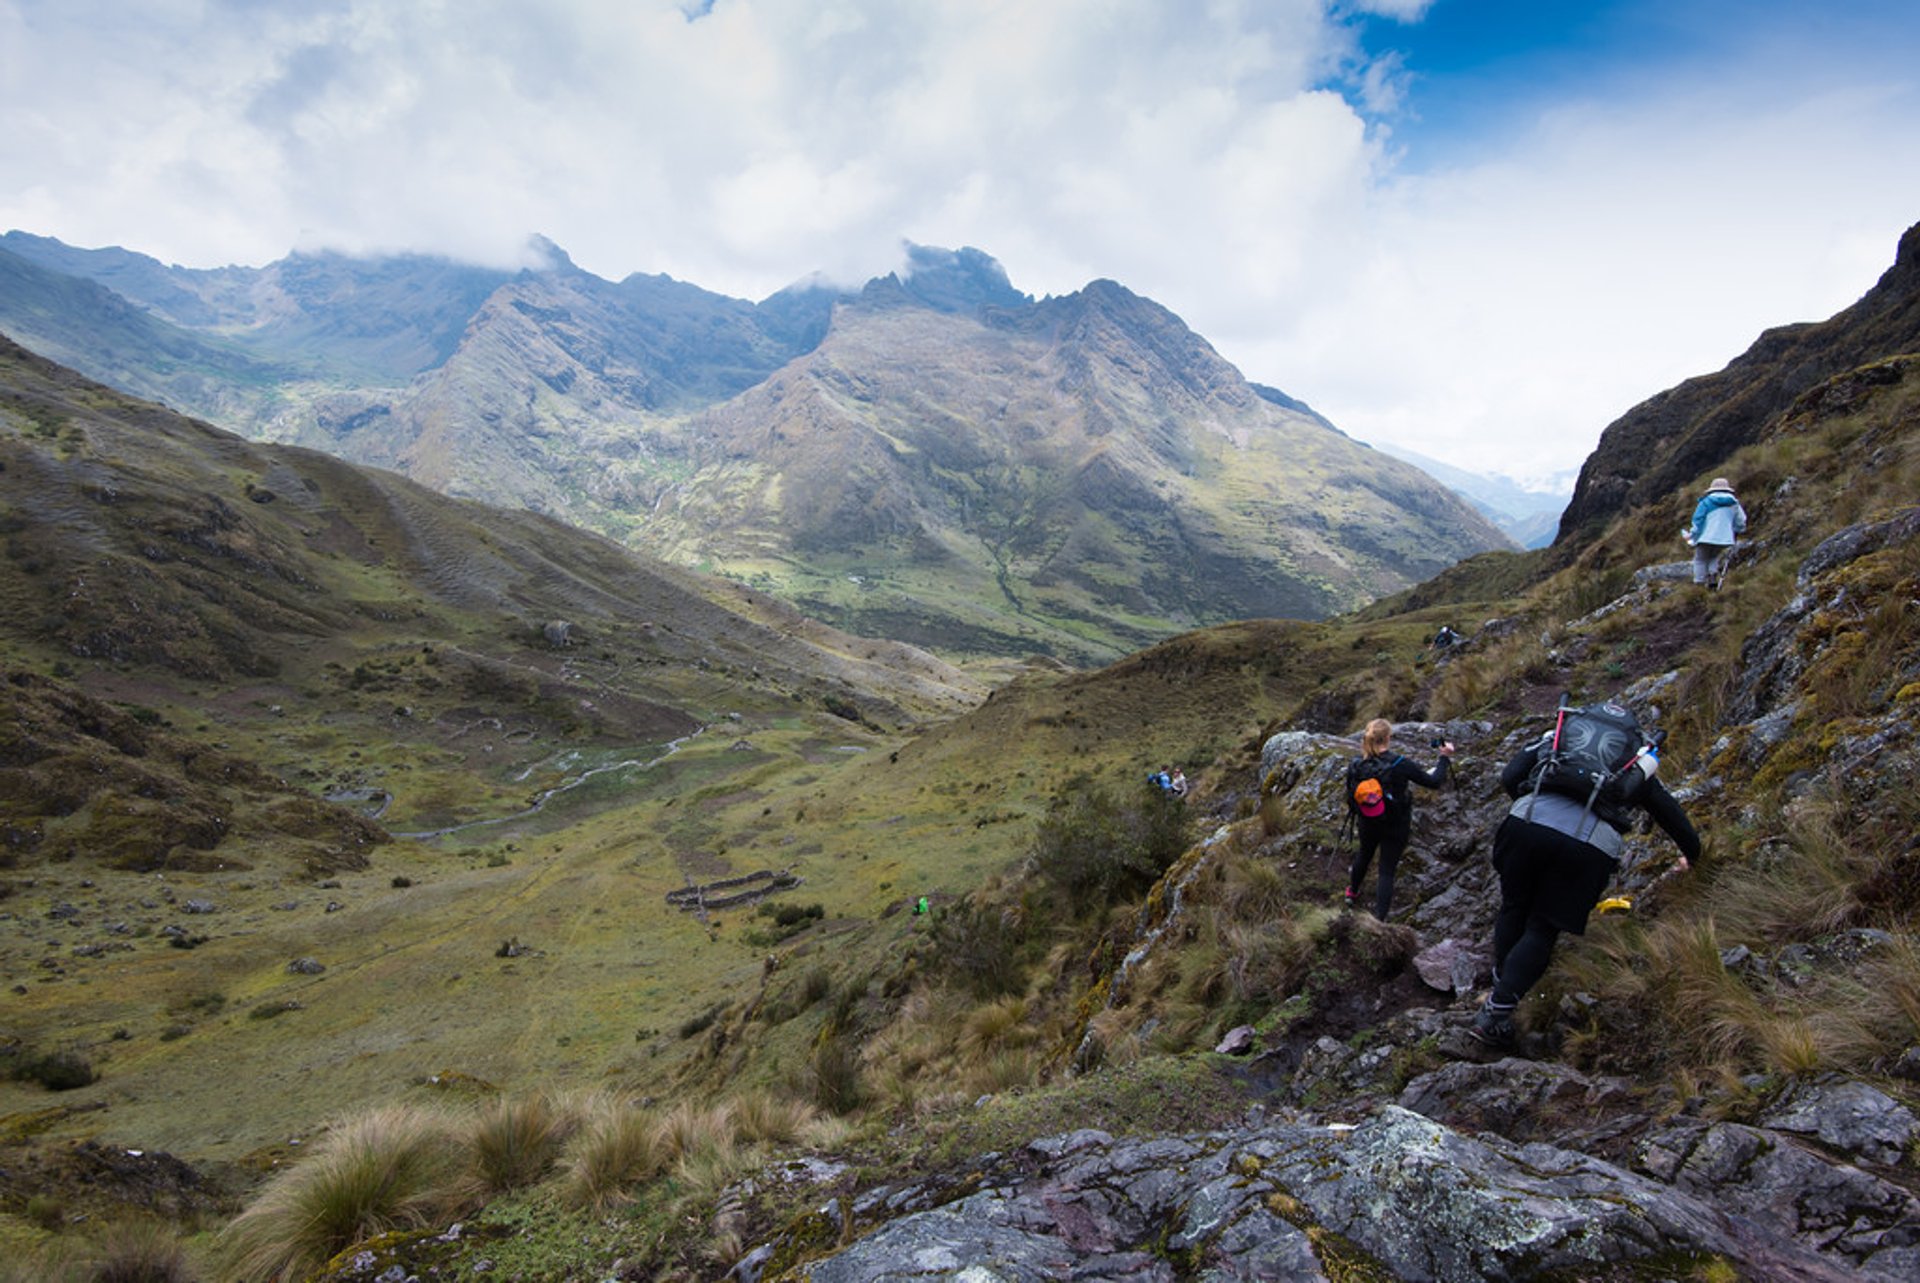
{"x":541,"y":799}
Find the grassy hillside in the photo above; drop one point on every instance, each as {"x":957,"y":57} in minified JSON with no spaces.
{"x":534,"y":950}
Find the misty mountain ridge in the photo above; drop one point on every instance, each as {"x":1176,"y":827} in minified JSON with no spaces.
{"x":934,"y":455}
{"x":1527,"y":514}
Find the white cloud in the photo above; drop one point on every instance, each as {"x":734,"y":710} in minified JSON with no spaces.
{"x":1507,"y":313}
{"x":1498,"y":314}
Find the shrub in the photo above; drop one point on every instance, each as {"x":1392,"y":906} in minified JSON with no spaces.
{"x":390,"y":1168}
{"x":57,"y":1070}
{"x":978,"y":945}
{"x":1099,"y":850}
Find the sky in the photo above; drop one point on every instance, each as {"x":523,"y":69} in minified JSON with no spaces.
{"x":1478,"y":229}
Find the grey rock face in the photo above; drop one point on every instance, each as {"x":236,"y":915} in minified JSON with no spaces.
{"x":1847,"y":1213}
{"x":1400,"y":1193}
{"x":1851,"y":1116}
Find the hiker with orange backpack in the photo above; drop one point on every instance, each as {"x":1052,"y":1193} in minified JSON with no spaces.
{"x":1380,"y":797}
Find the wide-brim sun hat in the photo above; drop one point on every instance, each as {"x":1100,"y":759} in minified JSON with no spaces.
{"x":1720,"y":483}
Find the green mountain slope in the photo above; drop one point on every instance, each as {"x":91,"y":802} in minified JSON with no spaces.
{"x":1067,"y":478}
{"x":1077,"y":476}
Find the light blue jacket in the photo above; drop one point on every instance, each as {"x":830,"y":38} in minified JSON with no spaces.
{"x":1717,"y":518}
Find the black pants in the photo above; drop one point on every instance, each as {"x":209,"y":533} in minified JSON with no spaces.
{"x":1390,"y":841}
{"x":1549,"y":883}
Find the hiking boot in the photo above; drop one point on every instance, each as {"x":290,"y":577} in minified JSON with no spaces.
{"x":1493,"y":1028}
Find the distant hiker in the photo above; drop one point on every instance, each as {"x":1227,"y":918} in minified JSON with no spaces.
{"x":1443,"y":639}
{"x":1178,"y":784}
{"x":921,"y":906}
{"x":1162,"y":779}
{"x":1576,"y":789}
{"x":1380,"y":794}
{"x":1717,"y":519}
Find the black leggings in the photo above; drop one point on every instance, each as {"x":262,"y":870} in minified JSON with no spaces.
{"x":1549,"y":883}
{"x":1522,"y":948}
{"x":1390,"y":843}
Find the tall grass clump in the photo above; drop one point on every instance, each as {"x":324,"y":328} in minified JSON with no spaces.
{"x":390,"y":1168}
{"x":139,"y":1251}
{"x":513,"y":1142}
{"x":764,"y":1116}
{"x":618,"y":1146}
{"x":1802,"y":888}
{"x":130,"y":1251}
{"x":833,"y":1073}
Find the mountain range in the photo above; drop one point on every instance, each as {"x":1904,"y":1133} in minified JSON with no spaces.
{"x":935,"y":456}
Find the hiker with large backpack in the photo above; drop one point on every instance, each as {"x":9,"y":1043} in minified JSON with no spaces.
{"x":1576,"y":790}
{"x":1380,"y":801}
{"x":1717,"y":519}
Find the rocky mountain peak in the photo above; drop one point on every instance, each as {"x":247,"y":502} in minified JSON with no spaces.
{"x":1682,"y":434}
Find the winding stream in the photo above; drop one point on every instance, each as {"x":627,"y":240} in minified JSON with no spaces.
{"x":541,"y":799}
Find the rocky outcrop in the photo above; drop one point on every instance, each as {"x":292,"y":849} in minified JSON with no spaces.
{"x":1776,"y":655}
{"x":1685,"y":432}
{"x":1292,"y":1198}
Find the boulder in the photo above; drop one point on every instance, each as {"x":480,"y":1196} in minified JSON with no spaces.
{"x":1452,"y":966}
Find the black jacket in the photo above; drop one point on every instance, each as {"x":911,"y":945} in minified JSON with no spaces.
{"x":1652,"y":798}
{"x":1395,"y":780}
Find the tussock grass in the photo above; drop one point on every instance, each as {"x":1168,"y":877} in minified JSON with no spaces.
{"x":834,"y":1076}
{"x":514,"y":1142}
{"x":127,"y":1251}
{"x":907,"y":1059}
{"x":1479,"y":676}
{"x":389,"y":1168}
{"x":764,"y":1116}
{"x":995,"y":1027}
{"x":617,"y":1147}
{"x":1802,"y":888}
{"x":689,"y":1128}
{"x":139,"y":1251}
{"x":1254,"y":890}
{"x":1000,"y":1072}
{"x":1113,"y":1039}
{"x":712,"y":1165}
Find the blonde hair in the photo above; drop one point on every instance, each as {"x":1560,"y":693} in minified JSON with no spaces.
{"x":1374,"y":741}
